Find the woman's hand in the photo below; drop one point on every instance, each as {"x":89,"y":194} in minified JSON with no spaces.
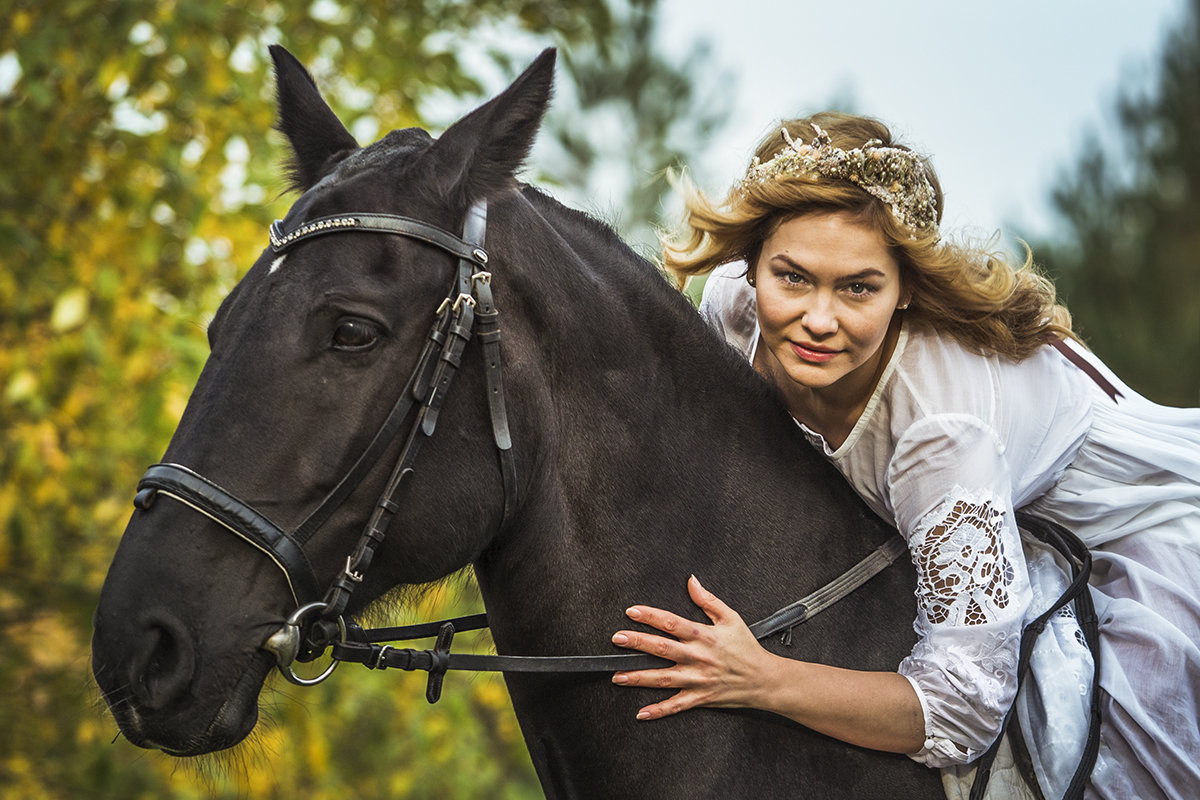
{"x":724,"y":665}
{"x":715,"y":665}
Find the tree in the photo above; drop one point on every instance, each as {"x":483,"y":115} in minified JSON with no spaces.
{"x":627,"y":115}
{"x":1128,"y":267}
{"x":139,"y":185}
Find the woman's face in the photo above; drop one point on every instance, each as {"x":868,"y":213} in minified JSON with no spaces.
{"x":827,"y":287}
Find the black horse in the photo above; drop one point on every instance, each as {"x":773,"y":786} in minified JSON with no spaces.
{"x":643,"y":449}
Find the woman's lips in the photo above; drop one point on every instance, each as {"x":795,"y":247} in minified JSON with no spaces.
{"x":812,"y":353}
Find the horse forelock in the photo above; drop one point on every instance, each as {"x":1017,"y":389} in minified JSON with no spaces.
{"x":390,"y":154}
{"x":368,"y":179}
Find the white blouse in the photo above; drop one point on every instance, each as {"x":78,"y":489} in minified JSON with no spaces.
{"x":949,"y":445}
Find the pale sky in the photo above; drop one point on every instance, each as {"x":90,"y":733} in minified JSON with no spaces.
{"x":999,"y":93}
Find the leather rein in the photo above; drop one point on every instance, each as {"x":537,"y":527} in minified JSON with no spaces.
{"x":468,"y":311}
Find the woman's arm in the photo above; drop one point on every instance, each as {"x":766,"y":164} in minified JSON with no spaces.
{"x":723,"y":665}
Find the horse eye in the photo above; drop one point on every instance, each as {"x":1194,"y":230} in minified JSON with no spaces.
{"x":355,"y":334}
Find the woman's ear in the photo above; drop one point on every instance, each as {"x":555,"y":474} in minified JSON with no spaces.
{"x":906,"y":288}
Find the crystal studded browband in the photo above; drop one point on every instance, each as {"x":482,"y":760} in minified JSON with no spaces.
{"x":280,"y":240}
{"x":375,"y":223}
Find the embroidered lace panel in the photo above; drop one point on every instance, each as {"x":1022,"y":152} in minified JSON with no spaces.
{"x":963,"y":575}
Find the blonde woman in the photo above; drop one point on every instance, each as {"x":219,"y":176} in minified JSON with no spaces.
{"x":945,"y":383}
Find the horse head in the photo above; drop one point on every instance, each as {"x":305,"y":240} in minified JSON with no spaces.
{"x":307,"y":383}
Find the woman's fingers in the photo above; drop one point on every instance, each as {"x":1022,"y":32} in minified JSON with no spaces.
{"x":681,"y":627}
{"x":665,"y":678}
{"x":660,"y":646}
{"x":669,"y":678}
{"x":665,"y":621}
{"x":715,"y":665}
{"x":680,"y":701}
{"x":710,"y":604}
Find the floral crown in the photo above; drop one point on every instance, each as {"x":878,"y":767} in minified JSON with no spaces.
{"x":896,"y":176}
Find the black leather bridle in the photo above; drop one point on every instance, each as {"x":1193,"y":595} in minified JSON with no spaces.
{"x":467,"y":311}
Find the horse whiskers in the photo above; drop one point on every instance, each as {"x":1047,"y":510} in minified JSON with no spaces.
{"x":275,"y":691}
{"x":107,"y":705}
{"x":216,"y":772}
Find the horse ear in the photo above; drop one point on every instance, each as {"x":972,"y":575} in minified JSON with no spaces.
{"x":314,"y":131}
{"x":481,"y":152}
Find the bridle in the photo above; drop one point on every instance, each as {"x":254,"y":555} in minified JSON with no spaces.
{"x":468,"y":311}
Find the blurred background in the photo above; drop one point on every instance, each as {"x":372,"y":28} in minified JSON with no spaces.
{"x":141,"y":174}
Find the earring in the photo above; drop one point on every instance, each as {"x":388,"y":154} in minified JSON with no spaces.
{"x":901,"y":308}
{"x":750,"y":278}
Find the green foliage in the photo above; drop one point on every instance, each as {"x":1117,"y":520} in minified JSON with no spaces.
{"x":140,"y":185}
{"x":1128,"y":269}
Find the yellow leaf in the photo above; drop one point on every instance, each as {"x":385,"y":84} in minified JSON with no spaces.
{"x":21,"y":386}
{"x":46,"y":642}
{"x":70,"y":310}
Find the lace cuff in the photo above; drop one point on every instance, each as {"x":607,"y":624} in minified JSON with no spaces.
{"x":936,"y":750}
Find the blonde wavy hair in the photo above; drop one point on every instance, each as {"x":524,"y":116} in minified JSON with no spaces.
{"x":973,"y":294}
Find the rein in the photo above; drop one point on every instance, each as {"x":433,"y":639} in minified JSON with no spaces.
{"x":366,"y":646}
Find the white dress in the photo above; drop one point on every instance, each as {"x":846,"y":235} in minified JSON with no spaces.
{"x":949,"y":445}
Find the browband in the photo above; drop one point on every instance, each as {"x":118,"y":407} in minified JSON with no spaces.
{"x":376,"y":223}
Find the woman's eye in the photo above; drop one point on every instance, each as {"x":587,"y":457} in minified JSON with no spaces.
{"x":355,"y":334}
{"x":793,"y":278}
{"x":860,"y":289}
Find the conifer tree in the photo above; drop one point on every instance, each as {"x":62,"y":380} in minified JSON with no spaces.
{"x":1129,"y":266}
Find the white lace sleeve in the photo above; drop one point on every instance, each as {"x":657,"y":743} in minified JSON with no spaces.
{"x":972,"y":590}
{"x":963,"y":577}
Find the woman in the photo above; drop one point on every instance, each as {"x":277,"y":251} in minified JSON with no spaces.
{"x":948,"y":388}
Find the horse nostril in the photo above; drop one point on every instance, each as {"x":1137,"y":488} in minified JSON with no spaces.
{"x":162,"y":670}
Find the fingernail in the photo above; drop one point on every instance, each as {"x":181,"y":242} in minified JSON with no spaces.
{"x":620,"y":638}
{"x":643,"y":715}
{"x":620,"y":679}
{"x":634,"y":613}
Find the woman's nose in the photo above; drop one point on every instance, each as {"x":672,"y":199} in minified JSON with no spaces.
{"x":820,"y":318}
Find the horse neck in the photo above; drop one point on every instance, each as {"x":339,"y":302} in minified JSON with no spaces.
{"x":659,"y":451}
{"x":635,"y":372}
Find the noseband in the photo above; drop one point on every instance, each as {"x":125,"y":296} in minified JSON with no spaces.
{"x":467,"y":311}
